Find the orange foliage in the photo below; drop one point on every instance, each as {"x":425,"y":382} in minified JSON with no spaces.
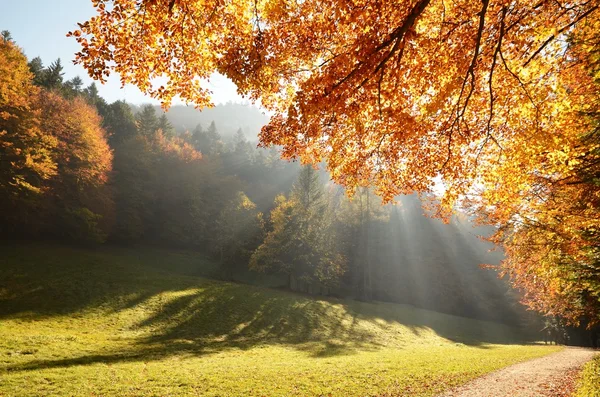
{"x":176,"y":147}
{"x":488,"y":95}
{"x":82,"y":154}
{"x":394,"y":93}
{"x":553,"y":237}
{"x":25,"y":152}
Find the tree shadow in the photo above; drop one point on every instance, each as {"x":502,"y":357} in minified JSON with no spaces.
{"x":192,"y":316}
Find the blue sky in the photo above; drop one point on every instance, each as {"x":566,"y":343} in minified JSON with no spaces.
{"x":39,"y":28}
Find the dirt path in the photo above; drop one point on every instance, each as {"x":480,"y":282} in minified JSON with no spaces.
{"x":538,"y":377}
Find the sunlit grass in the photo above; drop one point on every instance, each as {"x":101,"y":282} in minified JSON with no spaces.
{"x":589,"y":383}
{"x":123,"y":322}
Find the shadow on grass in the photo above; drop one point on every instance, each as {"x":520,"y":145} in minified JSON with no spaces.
{"x":191,"y":316}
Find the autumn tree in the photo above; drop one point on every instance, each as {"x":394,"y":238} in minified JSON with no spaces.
{"x":26,"y":152}
{"x":78,"y":203}
{"x":55,"y":161}
{"x":397,"y":93}
{"x":553,"y":242}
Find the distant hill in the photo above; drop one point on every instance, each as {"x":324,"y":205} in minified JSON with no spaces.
{"x":228,"y":118}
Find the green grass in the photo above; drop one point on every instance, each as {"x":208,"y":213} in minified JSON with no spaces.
{"x":117,"y":321}
{"x":589,"y":384}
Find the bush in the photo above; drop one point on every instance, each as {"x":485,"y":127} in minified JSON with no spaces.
{"x":82,"y":225}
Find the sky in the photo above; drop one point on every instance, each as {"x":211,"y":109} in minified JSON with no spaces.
{"x":39,"y":27}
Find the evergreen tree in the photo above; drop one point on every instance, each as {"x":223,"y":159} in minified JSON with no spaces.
{"x":214,"y":139}
{"x":165,"y":126}
{"x":6,"y":36}
{"x":119,"y":122}
{"x":207,"y":142}
{"x":73,"y":87}
{"x":134,"y":183}
{"x":37,"y":68}
{"x":301,"y":243}
{"x":53,"y":75}
{"x":90,"y":93}
{"x":147,"y":122}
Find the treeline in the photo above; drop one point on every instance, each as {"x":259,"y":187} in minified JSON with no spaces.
{"x":77,"y":168}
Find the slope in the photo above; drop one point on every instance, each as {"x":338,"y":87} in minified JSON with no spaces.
{"x":116,"y":321}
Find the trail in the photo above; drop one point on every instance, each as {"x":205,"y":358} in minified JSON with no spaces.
{"x":544,"y":376}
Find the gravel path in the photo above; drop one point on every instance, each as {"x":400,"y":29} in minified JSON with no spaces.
{"x":538,"y":377}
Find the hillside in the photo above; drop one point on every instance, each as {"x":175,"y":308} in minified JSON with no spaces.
{"x":228,"y":118}
{"x":125,"y":322}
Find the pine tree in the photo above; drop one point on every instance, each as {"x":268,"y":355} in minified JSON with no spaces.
{"x":37,"y":68}
{"x":119,"y":122}
{"x":147,"y":122}
{"x":73,"y":87}
{"x":165,"y":126}
{"x":6,"y":36}
{"x":53,"y":75}
{"x":207,"y":142}
{"x":301,"y":243}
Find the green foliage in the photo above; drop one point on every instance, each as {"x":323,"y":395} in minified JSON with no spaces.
{"x":52,"y":76}
{"x":147,"y":121}
{"x":115,"y":321}
{"x":207,"y":142}
{"x":6,"y":36}
{"x":73,"y":87}
{"x":83,"y":225}
{"x":361,"y":223}
{"x":238,"y":232}
{"x":133,"y":182}
{"x":165,"y":126}
{"x":36,"y":67}
{"x":301,"y":242}
{"x":119,"y":122}
{"x":589,"y":384}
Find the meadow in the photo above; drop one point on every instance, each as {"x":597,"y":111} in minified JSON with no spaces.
{"x":125,"y":321}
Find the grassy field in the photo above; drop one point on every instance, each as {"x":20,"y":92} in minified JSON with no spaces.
{"x":589,"y":384}
{"x":124,"y":322}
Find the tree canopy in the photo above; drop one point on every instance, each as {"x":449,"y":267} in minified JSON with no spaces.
{"x":397,"y":93}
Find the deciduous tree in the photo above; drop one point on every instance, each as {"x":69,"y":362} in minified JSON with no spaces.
{"x":26,"y":152}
